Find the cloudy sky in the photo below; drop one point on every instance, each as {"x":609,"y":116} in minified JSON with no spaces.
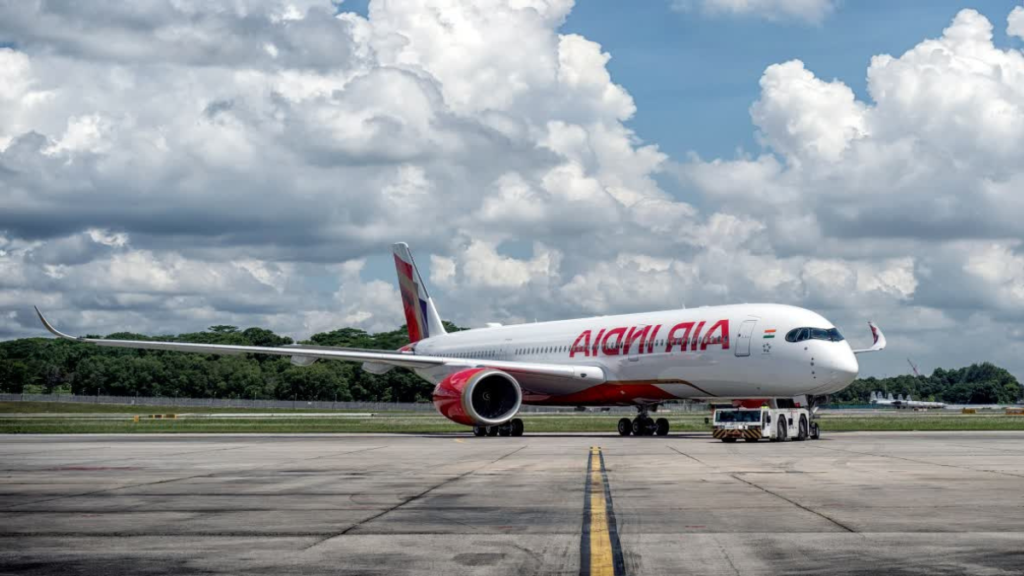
{"x":166,"y":165}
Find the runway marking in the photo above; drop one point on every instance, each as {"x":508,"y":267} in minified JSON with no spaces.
{"x":600,"y":550}
{"x":460,"y":440}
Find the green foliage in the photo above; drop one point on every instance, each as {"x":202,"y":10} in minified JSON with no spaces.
{"x":38,"y":365}
{"x":975,"y":384}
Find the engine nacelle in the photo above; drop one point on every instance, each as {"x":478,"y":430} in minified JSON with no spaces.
{"x":478,"y":397}
{"x":302,"y":360}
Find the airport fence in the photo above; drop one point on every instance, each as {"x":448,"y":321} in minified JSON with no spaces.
{"x":229,"y":403}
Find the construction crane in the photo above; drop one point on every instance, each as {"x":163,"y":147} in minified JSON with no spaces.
{"x":913,"y":367}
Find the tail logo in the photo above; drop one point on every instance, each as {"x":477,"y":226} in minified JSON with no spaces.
{"x":414,"y":306}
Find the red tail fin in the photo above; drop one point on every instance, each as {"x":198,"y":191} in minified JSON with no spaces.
{"x":420,"y":315}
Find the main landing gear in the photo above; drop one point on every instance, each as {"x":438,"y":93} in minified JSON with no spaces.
{"x":643,"y":425}
{"x":513,"y":427}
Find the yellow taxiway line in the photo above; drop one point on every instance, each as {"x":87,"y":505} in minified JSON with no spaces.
{"x":600,"y":551}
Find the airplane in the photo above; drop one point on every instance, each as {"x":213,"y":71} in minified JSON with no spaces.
{"x":482,"y":377}
{"x":902,"y":401}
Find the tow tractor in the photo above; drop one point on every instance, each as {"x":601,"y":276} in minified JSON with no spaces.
{"x":778,"y":424}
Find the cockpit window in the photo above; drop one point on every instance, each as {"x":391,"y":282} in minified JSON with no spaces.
{"x":798,"y":335}
{"x":801,"y":334}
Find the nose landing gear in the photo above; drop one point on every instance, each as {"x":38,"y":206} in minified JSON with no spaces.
{"x":643,"y":424}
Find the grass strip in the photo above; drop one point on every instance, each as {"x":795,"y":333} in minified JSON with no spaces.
{"x":89,"y":408}
{"x":438,"y":424}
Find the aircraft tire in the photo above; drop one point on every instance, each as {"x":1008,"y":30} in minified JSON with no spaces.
{"x":662,"y":426}
{"x":505,"y":430}
{"x":643,"y":426}
{"x":802,"y":434}
{"x":492,"y":430}
{"x":815,"y":431}
{"x":479,"y":430}
{"x":517,"y":427}
{"x":625,"y":427}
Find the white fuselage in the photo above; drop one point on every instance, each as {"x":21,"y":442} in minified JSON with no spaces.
{"x":738,"y":351}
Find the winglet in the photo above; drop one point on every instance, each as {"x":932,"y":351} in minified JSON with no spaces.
{"x":50,"y":327}
{"x":879,"y":340}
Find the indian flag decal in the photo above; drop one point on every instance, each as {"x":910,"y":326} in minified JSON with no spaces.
{"x":768,"y":334}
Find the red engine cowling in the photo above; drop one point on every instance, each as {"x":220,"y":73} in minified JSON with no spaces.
{"x":478,"y":397}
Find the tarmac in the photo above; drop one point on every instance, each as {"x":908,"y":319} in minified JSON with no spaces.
{"x":851,"y":503}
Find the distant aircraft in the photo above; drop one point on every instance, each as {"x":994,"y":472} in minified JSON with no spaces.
{"x":901,"y":401}
{"x":482,"y":377}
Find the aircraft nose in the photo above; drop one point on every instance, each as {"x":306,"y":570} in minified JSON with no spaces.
{"x":843,"y":365}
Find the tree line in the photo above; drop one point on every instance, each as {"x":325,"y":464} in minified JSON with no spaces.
{"x":50,"y":366}
{"x":53,"y":366}
{"x":983,"y":383}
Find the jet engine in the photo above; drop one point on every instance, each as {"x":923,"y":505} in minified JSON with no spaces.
{"x":478,"y":397}
{"x":300,"y":360}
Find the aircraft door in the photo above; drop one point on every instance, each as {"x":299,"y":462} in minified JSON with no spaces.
{"x":743,"y":339}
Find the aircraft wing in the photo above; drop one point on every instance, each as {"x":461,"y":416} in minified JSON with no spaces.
{"x":374,"y":357}
{"x":879,"y":343}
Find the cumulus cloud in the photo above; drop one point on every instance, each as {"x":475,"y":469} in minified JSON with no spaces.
{"x":999,"y":268}
{"x":204,"y":145}
{"x":802,"y":117}
{"x":812,"y":11}
{"x":933,"y":154}
{"x":171,"y":164}
{"x":1015,"y":22}
{"x":917,"y":189}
